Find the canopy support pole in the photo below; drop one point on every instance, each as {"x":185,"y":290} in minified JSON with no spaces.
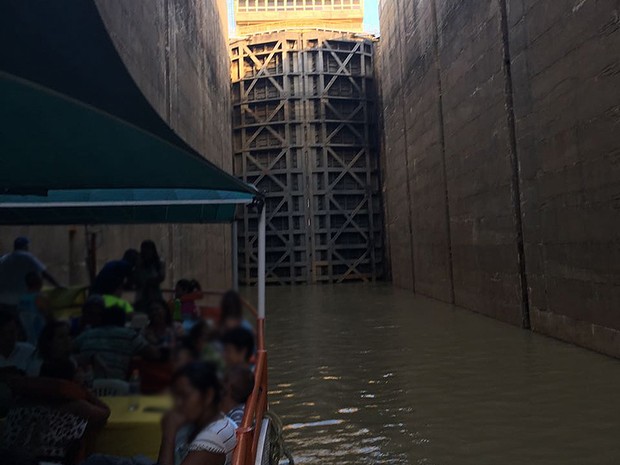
{"x":261,"y":261}
{"x":235,"y":257}
{"x":91,"y":254}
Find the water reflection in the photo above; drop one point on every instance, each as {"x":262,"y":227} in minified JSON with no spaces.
{"x":372,"y":375}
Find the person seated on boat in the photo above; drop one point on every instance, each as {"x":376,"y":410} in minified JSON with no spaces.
{"x":33,"y":308}
{"x":238,"y":347}
{"x":195,"y":431}
{"x":68,"y":368}
{"x":91,"y":317}
{"x":231,"y":308}
{"x":55,"y":349}
{"x":160,"y":332}
{"x":64,"y":415}
{"x":184,"y":353}
{"x":194,"y":286}
{"x":115,"y":344}
{"x":114,"y":298}
{"x":90,"y":406}
{"x":55,"y":346}
{"x":116,"y":271}
{"x":15,"y":357}
{"x":186,"y":293}
{"x":181,"y":289}
{"x":238,"y":386}
{"x":203,"y":337}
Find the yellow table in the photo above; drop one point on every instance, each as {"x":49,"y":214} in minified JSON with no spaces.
{"x":130,"y":433}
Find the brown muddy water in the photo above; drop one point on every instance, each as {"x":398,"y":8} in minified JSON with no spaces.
{"x":368,"y":374}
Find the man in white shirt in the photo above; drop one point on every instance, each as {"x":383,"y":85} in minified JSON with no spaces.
{"x":13,"y":270}
{"x":15,"y":355}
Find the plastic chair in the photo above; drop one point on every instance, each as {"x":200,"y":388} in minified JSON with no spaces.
{"x":110,"y":387}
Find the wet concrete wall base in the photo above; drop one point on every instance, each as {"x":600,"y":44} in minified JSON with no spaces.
{"x":500,"y":155}
{"x":177,"y":52}
{"x":599,"y":338}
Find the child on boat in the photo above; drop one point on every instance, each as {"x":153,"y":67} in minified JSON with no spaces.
{"x":238,"y":346}
{"x":186,"y":293}
{"x":231,"y":307}
{"x":238,"y":386}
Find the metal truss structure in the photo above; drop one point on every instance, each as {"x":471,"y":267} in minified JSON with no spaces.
{"x":305,"y":133}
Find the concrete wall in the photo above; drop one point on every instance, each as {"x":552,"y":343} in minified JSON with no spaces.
{"x":177,"y":52}
{"x":502,"y":178}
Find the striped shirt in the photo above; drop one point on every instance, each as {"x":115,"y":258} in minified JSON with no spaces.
{"x":114,"y":345}
{"x":219,"y":437}
{"x":236,"y":414}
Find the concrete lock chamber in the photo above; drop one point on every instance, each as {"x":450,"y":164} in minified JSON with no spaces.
{"x":305,"y":133}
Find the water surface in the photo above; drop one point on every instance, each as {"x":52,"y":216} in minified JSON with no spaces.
{"x":365,"y":374}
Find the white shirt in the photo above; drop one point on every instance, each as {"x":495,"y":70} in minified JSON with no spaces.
{"x":22,"y":358}
{"x":219,"y":437}
{"x":13,"y":270}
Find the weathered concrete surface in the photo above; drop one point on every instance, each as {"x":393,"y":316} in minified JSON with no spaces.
{"x":396,"y":191}
{"x":501,"y":159}
{"x":566,"y":74}
{"x":484,"y":251}
{"x":425,"y":152}
{"x":177,"y":53}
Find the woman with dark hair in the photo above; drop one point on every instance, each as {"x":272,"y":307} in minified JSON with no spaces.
{"x":204,"y":340}
{"x":55,"y":341}
{"x":159,"y":332}
{"x":231,"y":307}
{"x":63,"y":411}
{"x":149,"y":275}
{"x":186,"y":292}
{"x":54,"y":352}
{"x":196,"y":432}
{"x":185,"y":353}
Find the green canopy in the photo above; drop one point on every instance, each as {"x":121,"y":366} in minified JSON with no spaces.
{"x":122,"y":206}
{"x":49,"y":141}
{"x":65,"y":162}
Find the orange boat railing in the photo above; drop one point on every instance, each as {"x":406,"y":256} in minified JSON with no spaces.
{"x":248,"y":433}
